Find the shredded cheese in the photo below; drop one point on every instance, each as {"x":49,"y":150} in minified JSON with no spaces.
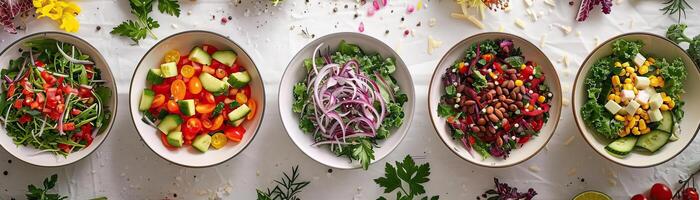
{"x":469,"y":18}
{"x":568,"y":141}
{"x":534,"y":168}
{"x":565,"y":59}
{"x":532,"y":14}
{"x":543,"y":40}
{"x":520,"y":23}
{"x":528,"y":3}
{"x":464,"y":9}
{"x":565,"y":29}
{"x":433,"y":44}
{"x":550,"y":3}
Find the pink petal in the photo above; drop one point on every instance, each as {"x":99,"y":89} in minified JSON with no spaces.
{"x":362,"y":27}
{"x":410,"y":9}
{"x":376,"y":4}
{"x":370,"y":12}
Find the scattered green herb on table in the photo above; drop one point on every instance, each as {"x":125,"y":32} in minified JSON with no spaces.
{"x":36,"y":193}
{"x":407,"y":177}
{"x":676,"y":34}
{"x":143,"y":25}
{"x":504,"y":191}
{"x":676,"y":6}
{"x":287,"y":188}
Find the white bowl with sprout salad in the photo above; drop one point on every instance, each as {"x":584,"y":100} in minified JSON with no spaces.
{"x":633,"y":100}
{"x":346,"y":100}
{"x":58,"y":100}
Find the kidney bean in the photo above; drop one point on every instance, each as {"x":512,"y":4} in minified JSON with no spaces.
{"x":499,"y":114}
{"x":482,"y":129}
{"x":492,"y":130}
{"x":499,"y":141}
{"x":450,"y":101}
{"x":502,"y":98}
{"x":509,"y":101}
{"x":489,"y":85}
{"x":499,"y":91}
{"x":511,"y":71}
{"x":460,"y":88}
{"x":470,"y":102}
{"x":481,"y":121}
{"x":498,"y":105}
{"x":510,"y":84}
{"x":493,"y":118}
{"x":512,"y":108}
{"x":489,"y":110}
{"x":503,"y":110}
{"x":519,"y":104}
{"x":475,"y":129}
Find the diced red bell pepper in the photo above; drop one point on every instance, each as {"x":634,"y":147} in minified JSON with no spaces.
{"x":38,"y":63}
{"x":164,"y":139}
{"x":11,"y":90}
{"x":184,"y":60}
{"x":64,"y":147}
{"x":209,"y":49}
{"x":523,"y":139}
{"x":234,"y":134}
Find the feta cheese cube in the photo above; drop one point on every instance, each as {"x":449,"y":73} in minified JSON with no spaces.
{"x":639,"y":59}
{"x":627,"y":95}
{"x":642,"y":82}
{"x":655,"y":115}
{"x":632,"y":107}
{"x":651,"y":91}
{"x":613,"y":107}
{"x":642,"y":97}
{"x":655,"y":101}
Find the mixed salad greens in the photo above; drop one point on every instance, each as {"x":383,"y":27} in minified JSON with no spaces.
{"x":349,"y":100}
{"x":200,"y":99}
{"x":634,"y":99}
{"x":494,"y":99}
{"x":53,"y":98}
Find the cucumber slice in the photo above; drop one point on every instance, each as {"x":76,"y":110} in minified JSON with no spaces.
{"x":239,"y":79}
{"x":666,"y":123}
{"x":186,"y":107}
{"x":169,"y":123}
{"x":238,"y":113}
{"x":653,"y":140}
{"x":225,"y":57}
{"x":202,"y":142}
{"x":212,"y":84}
{"x":155,"y":76}
{"x":169,"y":69}
{"x":200,"y":56}
{"x":238,"y":123}
{"x":622,"y":146}
{"x":175,"y":139}
{"x":146,"y":99}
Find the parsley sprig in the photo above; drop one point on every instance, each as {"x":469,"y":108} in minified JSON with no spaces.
{"x":36,"y":193}
{"x":405,"y":173}
{"x":143,"y":25}
{"x":286,"y":189}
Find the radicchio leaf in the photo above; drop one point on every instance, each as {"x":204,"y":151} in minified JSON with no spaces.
{"x":587,"y":6}
{"x":9,"y":9}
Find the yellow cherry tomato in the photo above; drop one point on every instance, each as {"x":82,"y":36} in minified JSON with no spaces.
{"x":187,"y":71}
{"x":194,"y":86}
{"x":253,"y":107}
{"x":171,"y":56}
{"x":178,"y":89}
{"x":241,"y":98}
{"x":204,"y":108}
{"x":218,"y":140}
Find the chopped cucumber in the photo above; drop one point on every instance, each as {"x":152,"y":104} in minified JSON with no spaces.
{"x":186,"y":107}
{"x":169,"y":69}
{"x":225,"y":57}
{"x":622,"y":146}
{"x":169,"y":123}
{"x":155,"y":76}
{"x":202,"y":142}
{"x":175,"y":139}
{"x":200,"y":56}
{"x":666,"y":123}
{"x":146,"y":99}
{"x":239,"y":79}
{"x":238,"y":113}
{"x":238,"y":122}
{"x":212,"y":84}
{"x":653,"y":140}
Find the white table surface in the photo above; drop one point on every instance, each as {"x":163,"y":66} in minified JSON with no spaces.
{"x":124,"y":168}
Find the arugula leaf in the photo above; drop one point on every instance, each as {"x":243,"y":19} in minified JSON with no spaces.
{"x":405,"y":173}
{"x":445,"y":111}
{"x":170,"y":7}
{"x":451,"y":90}
{"x":364,"y":153}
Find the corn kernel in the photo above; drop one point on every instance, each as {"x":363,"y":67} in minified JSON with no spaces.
{"x":530,"y":108}
{"x":616,"y":80}
{"x":541,"y":99}
{"x":611,"y":97}
{"x":634,"y":89}
{"x":643,"y":69}
{"x":642,"y":125}
{"x":645,"y":131}
{"x":618,"y":64}
{"x":663,"y":94}
{"x":522,"y":66}
{"x":629,"y":69}
{"x":664,"y":107}
{"x":636,"y":117}
{"x":626,"y":64}
{"x":518,"y":83}
{"x":650,"y":59}
{"x":645,"y":106}
{"x":635,"y":131}
{"x":666,"y":98}
{"x":618,"y":99}
{"x":628,"y":80}
{"x":492,"y":75}
{"x":628,"y":86}
{"x":639,"y":111}
{"x":632,"y":123}
{"x":671,"y":104}
{"x":619,"y":118}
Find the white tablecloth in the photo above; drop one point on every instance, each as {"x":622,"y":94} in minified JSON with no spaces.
{"x":124,"y":168}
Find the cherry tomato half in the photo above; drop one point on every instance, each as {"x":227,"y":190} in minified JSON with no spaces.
{"x":218,"y":121}
{"x":218,"y":140}
{"x":205,"y":108}
{"x":191,"y":128}
{"x":638,"y":197}
{"x":178,"y":89}
{"x":158,"y":101}
{"x":171,"y":56}
{"x":194,"y":86}
{"x":253,"y":108}
{"x":173,"y":107}
{"x":187,"y":71}
{"x":234,"y":134}
{"x":209,"y":49}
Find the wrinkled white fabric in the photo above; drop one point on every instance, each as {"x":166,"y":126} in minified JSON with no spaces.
{"x":124,"y":168}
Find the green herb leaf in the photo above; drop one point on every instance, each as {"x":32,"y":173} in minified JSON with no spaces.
{"x":364,"y":153}
{"x":170,"y":7}
{"x":132,"y":30}
{"x":445,"y":111}
{"x":451,"y":90}
{"x":287,"y":188}
{"x":405,"y":173}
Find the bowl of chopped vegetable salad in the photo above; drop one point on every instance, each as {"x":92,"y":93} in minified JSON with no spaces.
{"x":495,"y":99}
{"x":59,"y":100}
{"x":346,"y":100}
{"x":632,"y":100}
{"x":197,"y":99}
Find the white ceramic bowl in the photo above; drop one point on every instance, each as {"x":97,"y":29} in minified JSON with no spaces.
{"x":30,"y":154}
{"x":660,"y":47}
{"x":184,"y":42}
{"x":296,"y":72}
{"x":534,"y":145}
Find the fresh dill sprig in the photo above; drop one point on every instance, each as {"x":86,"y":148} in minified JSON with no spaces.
{"x":676,"y":6}
{"x":286,"y":189}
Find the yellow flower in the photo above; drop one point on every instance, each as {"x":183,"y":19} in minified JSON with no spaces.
{"x":39,"y":3}
{"x":69,"y":23}
{"x":51,"y":10}
{"x":71,"y":8}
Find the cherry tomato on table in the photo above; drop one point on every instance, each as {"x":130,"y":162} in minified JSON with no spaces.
{"x":690,"y":194}
{"x":638,"y":197}
{"x":660,"y":192}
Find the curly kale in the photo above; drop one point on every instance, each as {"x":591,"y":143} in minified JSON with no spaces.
{"x":626,"y":50}
{"x":676,"y":34}
{"x":597,"y":87}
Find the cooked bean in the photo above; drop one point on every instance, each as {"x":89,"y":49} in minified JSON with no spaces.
{"x":510,"y":84}
{"x":492,"y":130}
{"x":516,"y":90}
{"x":499,"y":114}
{"x":511,"y":71}
{"x":499,"y":91}
{"x":513,"y":108}
{"x":489,"y":110}
{"x":475,"y":129}
{"x":493,"y":118}
{"x":470,"y":102}
{"x":460,"y":88}
{"x":498,"y":105}
{"x":481,"y":121}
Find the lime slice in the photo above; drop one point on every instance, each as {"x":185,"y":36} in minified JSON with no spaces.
{"x":592,"y":195}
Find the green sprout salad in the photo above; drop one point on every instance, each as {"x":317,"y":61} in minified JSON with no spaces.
{"x":349,"y":100}
{"x":634,"y":98}
{"x":53,"y":98}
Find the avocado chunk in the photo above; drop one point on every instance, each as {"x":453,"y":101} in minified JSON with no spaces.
{"x":169,"y":123}
{"x":202,"y":142}
{"x":239,"y":79}
{"x":238,"y":113}
{"x":225,"y":57}
{"x":212,"y":84}
{"x":186,"y":107}
{"x":169,"y":69}
{"x":175,"y":139}
{"x":146,"y":99}
{"x":155,"y":76}
{"x":200,"y":56}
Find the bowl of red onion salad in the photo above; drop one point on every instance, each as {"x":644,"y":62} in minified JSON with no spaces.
{"x":346,"y":100}
{"x":495,"y":99}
